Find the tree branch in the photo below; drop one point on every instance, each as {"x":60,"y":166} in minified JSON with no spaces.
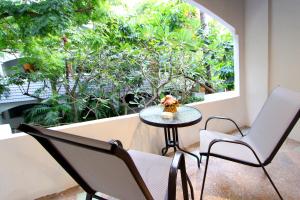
{"x":201,"y":84}
{"x":33,"y":96}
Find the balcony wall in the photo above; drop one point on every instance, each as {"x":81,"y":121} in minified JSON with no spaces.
{"x":271,"y":52}
{"x":28,"y":172}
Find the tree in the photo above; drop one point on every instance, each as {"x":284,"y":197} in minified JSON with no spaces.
{"x":97,"y":62}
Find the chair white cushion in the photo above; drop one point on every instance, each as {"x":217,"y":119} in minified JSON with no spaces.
{"x":154,"y":170}
{"x":103,"y":172}
{"x":267,"y":130}
{"x":231,"y":150}
{"x":273,"y":120}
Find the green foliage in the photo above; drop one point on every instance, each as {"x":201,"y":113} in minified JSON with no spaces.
{"x":51,"y":112}
{"x":218,"y":54}
{"x":103,"y":58}
{"x":46,"y":16}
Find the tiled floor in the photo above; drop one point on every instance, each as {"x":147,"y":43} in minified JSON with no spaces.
{"x":228,"y":180}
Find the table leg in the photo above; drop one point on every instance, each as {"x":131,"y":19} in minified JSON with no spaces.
{"x":177,"y":144}
{"x":165,"y":149}
{"x":174,"y":141}
{"x":170,"y":140}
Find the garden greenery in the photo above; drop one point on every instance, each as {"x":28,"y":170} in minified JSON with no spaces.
{"x":102,"y":58}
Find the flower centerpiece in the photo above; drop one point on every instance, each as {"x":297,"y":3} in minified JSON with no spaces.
{"x":170,"y":104}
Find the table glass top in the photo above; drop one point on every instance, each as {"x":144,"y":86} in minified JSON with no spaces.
{"x":185,"y":116}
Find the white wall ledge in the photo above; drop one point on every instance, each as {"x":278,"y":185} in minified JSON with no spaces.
{"x":209,"y":98}
{"x":21,"y":154}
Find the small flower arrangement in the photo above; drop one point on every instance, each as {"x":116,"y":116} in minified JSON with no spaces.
{"x":170,"y":103}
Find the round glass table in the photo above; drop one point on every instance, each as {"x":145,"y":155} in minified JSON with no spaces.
{"x":185,"y":116}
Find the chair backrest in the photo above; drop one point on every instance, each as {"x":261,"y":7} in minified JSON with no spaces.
{"x":95,"y":165}
{"x":274,"y":122}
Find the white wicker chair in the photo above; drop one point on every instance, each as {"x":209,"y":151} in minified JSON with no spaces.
{"x":275,"y":121}
{"x":106,"y":167}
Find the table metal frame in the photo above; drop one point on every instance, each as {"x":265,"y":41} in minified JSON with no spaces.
{"x":171,"y":134}
{"x":171,"y":140}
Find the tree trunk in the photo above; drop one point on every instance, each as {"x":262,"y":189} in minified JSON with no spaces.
{"x":74,"y":109}
{"x":73,"y":99}
{"x":204,"y":27}
{"x":67,"y":74}
{"x":70,"y":93}
{"x":53,"y":85}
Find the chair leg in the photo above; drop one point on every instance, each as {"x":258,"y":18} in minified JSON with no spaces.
{"x":204,"y":177}
{"x":184,"y":185}
{"x":191,"y":187}
{"x":89,"y":196}
{"x":205,"y":172}
{"x":272,"y":182}
{"x":200,"y":157}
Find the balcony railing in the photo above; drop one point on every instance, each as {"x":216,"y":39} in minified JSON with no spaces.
{"x":28,"y":172}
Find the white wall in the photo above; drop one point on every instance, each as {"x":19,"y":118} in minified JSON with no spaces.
{"x":28,"y":172}
{"x":285,"y":44}
{"x":272,"y":49}
{"x":231,"y":11}
{"x":285,"y":47}
{"x":256,"y":55}
{"x":136,"y":135}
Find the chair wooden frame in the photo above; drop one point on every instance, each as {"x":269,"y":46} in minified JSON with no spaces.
{"x":178,"y":163}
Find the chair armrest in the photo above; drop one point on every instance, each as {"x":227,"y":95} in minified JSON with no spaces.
{"x":179,"y":163}
{"x":223,"y":118}
{"x":234,"y":142}
{"x":116,"y":142}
